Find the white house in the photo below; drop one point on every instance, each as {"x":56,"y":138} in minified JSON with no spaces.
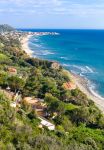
{"x":47,"y":124}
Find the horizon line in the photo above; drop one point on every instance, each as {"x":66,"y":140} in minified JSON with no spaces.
{"x":59,"y":28}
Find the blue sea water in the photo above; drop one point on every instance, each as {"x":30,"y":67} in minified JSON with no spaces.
{"x":81,"y":51}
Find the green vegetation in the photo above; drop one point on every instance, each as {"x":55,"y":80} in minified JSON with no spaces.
{"x":79,"y":124}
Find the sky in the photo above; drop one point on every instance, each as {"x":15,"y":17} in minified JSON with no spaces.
{"x":71,"y":14}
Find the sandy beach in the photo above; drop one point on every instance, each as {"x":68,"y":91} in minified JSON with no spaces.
{"x":25,"y":46}
{"x":82,"y":84}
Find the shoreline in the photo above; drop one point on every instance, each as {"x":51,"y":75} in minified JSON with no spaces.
{"x":25,"y":45}
{"x":80,"y":82}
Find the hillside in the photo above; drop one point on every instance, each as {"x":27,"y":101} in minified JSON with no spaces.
{"x":32,"y":88}
{"x":6,"y":28}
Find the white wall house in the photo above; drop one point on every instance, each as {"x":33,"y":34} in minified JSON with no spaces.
{"x":47,"y":124}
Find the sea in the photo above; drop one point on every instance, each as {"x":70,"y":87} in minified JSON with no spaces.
{"x":80,"y":51}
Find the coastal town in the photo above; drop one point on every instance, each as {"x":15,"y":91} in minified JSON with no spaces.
{"x":21,"y":34}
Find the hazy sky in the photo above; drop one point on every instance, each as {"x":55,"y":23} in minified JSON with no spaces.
{"x":53,"y":13}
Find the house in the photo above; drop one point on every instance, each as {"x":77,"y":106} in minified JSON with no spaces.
{"x":46,"y":123}
{"x":12,"y":71}
{"x":37,"y":104}
{"x":39,"y":107}
{"x":69,"y":85}
{"x":30,"y":100}
{"x":55,"y":65}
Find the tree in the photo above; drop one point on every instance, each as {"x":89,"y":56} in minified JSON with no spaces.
{"x":49,"y":98}
{"x":16,"y":83}
{"x":54,"y":105}
{"x":3,"y":79}
{"x":80,"y":115}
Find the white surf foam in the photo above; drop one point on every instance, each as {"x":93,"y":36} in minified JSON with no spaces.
{"x":47,"y":52}
{"x":89,"y":69}
{"x":95,"y":93}
{"x":35,"y":39}
{"x":65,"y":58}
{"x":81,"y":75}
{"x":83,"y":69}
{"x":36,"y":45}
{"x":66,"y":65}
{"x":91,"y":86}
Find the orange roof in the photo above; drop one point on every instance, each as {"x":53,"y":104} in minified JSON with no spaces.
{"x":30,"y":100}
{"x":69,"y":86}
{"x":12,"y":70}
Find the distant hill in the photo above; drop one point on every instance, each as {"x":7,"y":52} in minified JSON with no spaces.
{"x":6,"y":28}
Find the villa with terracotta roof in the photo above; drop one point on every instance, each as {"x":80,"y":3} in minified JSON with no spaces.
{"x":69,"y":86}
{"x":39,"y":107}
{"x":37,"y":104}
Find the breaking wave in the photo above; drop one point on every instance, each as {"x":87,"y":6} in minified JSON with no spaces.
{"x":92,"y":88}
{"x":80,"y":69}
{"x":65,"y":58}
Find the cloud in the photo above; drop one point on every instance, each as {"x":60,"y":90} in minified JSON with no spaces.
{"x":58,"y":7}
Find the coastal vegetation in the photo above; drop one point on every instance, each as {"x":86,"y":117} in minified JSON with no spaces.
{"x":79,"y":124}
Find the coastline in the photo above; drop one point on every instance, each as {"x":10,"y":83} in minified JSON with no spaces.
{"x":25,"y":45}
{"x":80,"y":82}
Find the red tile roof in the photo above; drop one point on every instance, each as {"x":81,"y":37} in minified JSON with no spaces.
{"x":69,"y":86}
